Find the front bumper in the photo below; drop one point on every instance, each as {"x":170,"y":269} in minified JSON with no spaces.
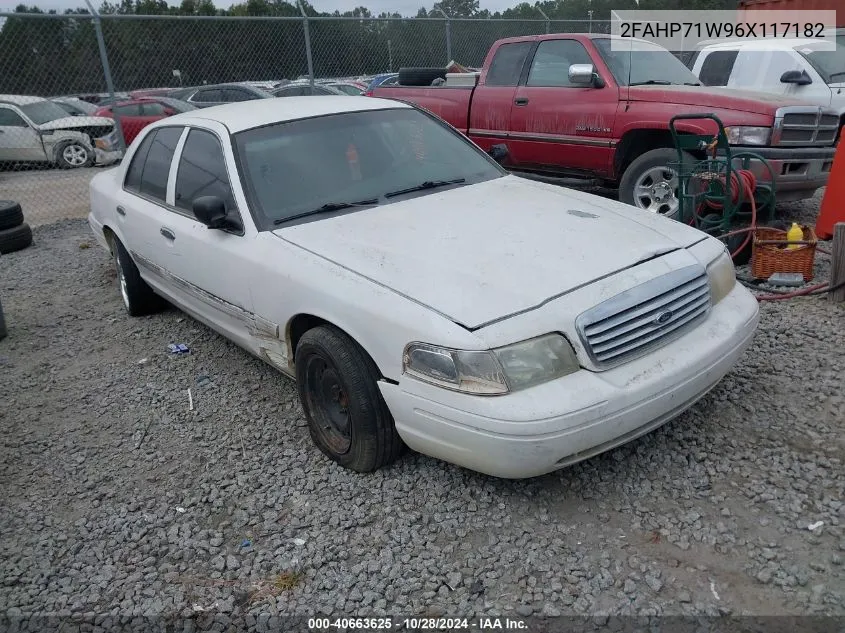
{"x":551,"y":426}
{"x":799,"y":171}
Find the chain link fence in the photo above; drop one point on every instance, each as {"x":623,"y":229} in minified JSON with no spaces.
{"x":53,"y":79}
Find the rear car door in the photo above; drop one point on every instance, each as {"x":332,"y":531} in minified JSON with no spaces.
{"x":141,"y":207}
{"x":490,"y":110}
{"x":555,"y":122}
{"x":18,"y":139}
{"x":212,"y":270}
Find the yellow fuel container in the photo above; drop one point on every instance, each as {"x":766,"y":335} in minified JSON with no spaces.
{"x":794,"y":234}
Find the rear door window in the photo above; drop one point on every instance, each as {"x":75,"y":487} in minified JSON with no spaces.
{"x":208,"y":96}
{"x":717,"y":67}
{"x":132,"y":109}
{"x":152,"y":109}
{"x":507,"y":64}
{"x":157,"y":163}
{"x":136,"y":167}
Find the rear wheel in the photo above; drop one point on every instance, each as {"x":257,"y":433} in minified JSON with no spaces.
{"x":138,"y":298}
{"x":348,"y":418}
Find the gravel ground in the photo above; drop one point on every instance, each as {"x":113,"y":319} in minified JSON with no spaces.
{"x":118,"y":500}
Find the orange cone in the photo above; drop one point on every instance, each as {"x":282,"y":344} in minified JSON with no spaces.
{"x":833,"y":202}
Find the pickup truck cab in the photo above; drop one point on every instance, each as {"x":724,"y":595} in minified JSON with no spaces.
{"x":569,"y":105}
{"x":806,"y":69}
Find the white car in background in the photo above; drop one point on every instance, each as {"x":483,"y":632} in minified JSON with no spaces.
{"x":37,"y":130}
{"x":419,"y":294}
{"x":813,"y":70}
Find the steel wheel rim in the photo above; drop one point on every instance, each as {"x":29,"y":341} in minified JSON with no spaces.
{"x":656,"y":190}
{"x":75,"y":155}
{"x":329,"y":404}
{"x":121,"y":277}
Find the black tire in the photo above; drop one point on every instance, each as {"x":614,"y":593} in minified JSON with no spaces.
{"x":420,"y":76}
{"x":3,"y":331}
{"x":355,"y":429}
{"x":638,"y":169}
{"x":11,"y":214}
{"x":138,"y":298}
{"x":15,"y":239}
{"x":735,"y":241}
{"x":85,"y":155}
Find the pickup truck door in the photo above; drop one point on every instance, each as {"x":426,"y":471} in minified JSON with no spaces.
{"x":557,"y":125}
{"x":18,"y":140}
{"x":208,"y":268}
{"x":492,"y":101}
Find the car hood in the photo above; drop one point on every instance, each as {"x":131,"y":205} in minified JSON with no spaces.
{"x":480,"y":253}
{"x":712,"y":97}
{"x":71,"y":122}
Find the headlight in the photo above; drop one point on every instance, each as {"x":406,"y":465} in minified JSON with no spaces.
{"x":748,"y":135}
{"x":722,"y":275}
{"x":493,"y":372}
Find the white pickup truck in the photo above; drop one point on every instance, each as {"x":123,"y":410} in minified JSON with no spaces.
{"x":813,"y":70}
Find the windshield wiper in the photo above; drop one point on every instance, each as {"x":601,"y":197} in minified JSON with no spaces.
{"x":327,"y":208}
{"x":428,"y":184}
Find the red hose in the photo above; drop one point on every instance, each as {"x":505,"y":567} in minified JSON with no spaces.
{"x":790,"y":295}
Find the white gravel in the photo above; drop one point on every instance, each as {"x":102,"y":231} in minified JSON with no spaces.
{"x":119,"y":501}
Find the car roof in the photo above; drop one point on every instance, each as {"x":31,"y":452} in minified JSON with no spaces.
{"x":20,"y":99}
{"x":245,"y":115}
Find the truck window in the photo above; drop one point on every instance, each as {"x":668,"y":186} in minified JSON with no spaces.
{"x":552,"y":61}
{"x":507,"y":64}
{"x":716,"y":68}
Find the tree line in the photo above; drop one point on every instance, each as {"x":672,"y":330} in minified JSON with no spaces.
{"x":56,"y":55}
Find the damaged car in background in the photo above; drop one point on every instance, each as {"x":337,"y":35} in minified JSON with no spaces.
{"x":36,"y":130}
{"x":419,"y":294}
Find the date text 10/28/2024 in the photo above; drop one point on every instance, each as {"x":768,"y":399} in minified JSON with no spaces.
{"x":416,"y":624}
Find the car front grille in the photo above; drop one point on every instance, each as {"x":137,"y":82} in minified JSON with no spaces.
{"x":805,"y":125}
{"x":638,"y":320}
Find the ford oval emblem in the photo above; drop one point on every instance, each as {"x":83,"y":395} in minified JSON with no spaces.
{"x":664,"y":317}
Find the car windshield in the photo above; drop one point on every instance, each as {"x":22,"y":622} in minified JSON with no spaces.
{"x":829,"y":61}
{"x":44,"y":111}
{"x":350,"y":89}
{"x":642,"y":63}
{"x":293,"y":168}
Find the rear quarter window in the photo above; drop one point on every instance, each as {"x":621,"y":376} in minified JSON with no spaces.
{"x":507,"y":64}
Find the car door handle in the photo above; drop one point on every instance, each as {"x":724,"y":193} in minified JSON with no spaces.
{"x":521,"y":101}
{"x":121,"y":211}
{"x":167,"y":233}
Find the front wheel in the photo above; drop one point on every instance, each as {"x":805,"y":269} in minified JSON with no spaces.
{"x":651,"y":184}
{"x":347,"y":417}
{"x":73,"y":154}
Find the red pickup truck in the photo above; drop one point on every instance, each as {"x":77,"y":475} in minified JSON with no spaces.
{"x":568,"y":105}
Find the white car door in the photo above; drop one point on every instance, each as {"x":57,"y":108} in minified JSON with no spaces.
{"x":18,"y":140}
{"x":141,"y":207}
{"x":212,"y":267}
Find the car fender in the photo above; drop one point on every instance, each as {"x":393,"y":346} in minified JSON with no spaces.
{"x":52,"y":140}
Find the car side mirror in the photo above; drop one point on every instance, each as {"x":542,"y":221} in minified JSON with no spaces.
{"x":585,"y":75}
{"x":211,"y":211}
{"x":797,"y":77}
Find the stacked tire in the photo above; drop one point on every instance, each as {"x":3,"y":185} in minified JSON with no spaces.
{"x":15,"y":234}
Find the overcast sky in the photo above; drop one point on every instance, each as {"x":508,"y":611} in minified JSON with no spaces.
{"x":405,"y":7}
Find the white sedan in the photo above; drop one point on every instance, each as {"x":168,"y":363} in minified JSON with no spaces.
{"x":419,"y":294}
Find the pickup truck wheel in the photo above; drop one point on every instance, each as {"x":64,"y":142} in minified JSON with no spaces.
{"x":11,"y":214}
{"x":650,"y":184}
{"x":16,"y":238}
{"x":73,"y":154}
{"x":138,"y":298}
{"x":347,"y":417}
